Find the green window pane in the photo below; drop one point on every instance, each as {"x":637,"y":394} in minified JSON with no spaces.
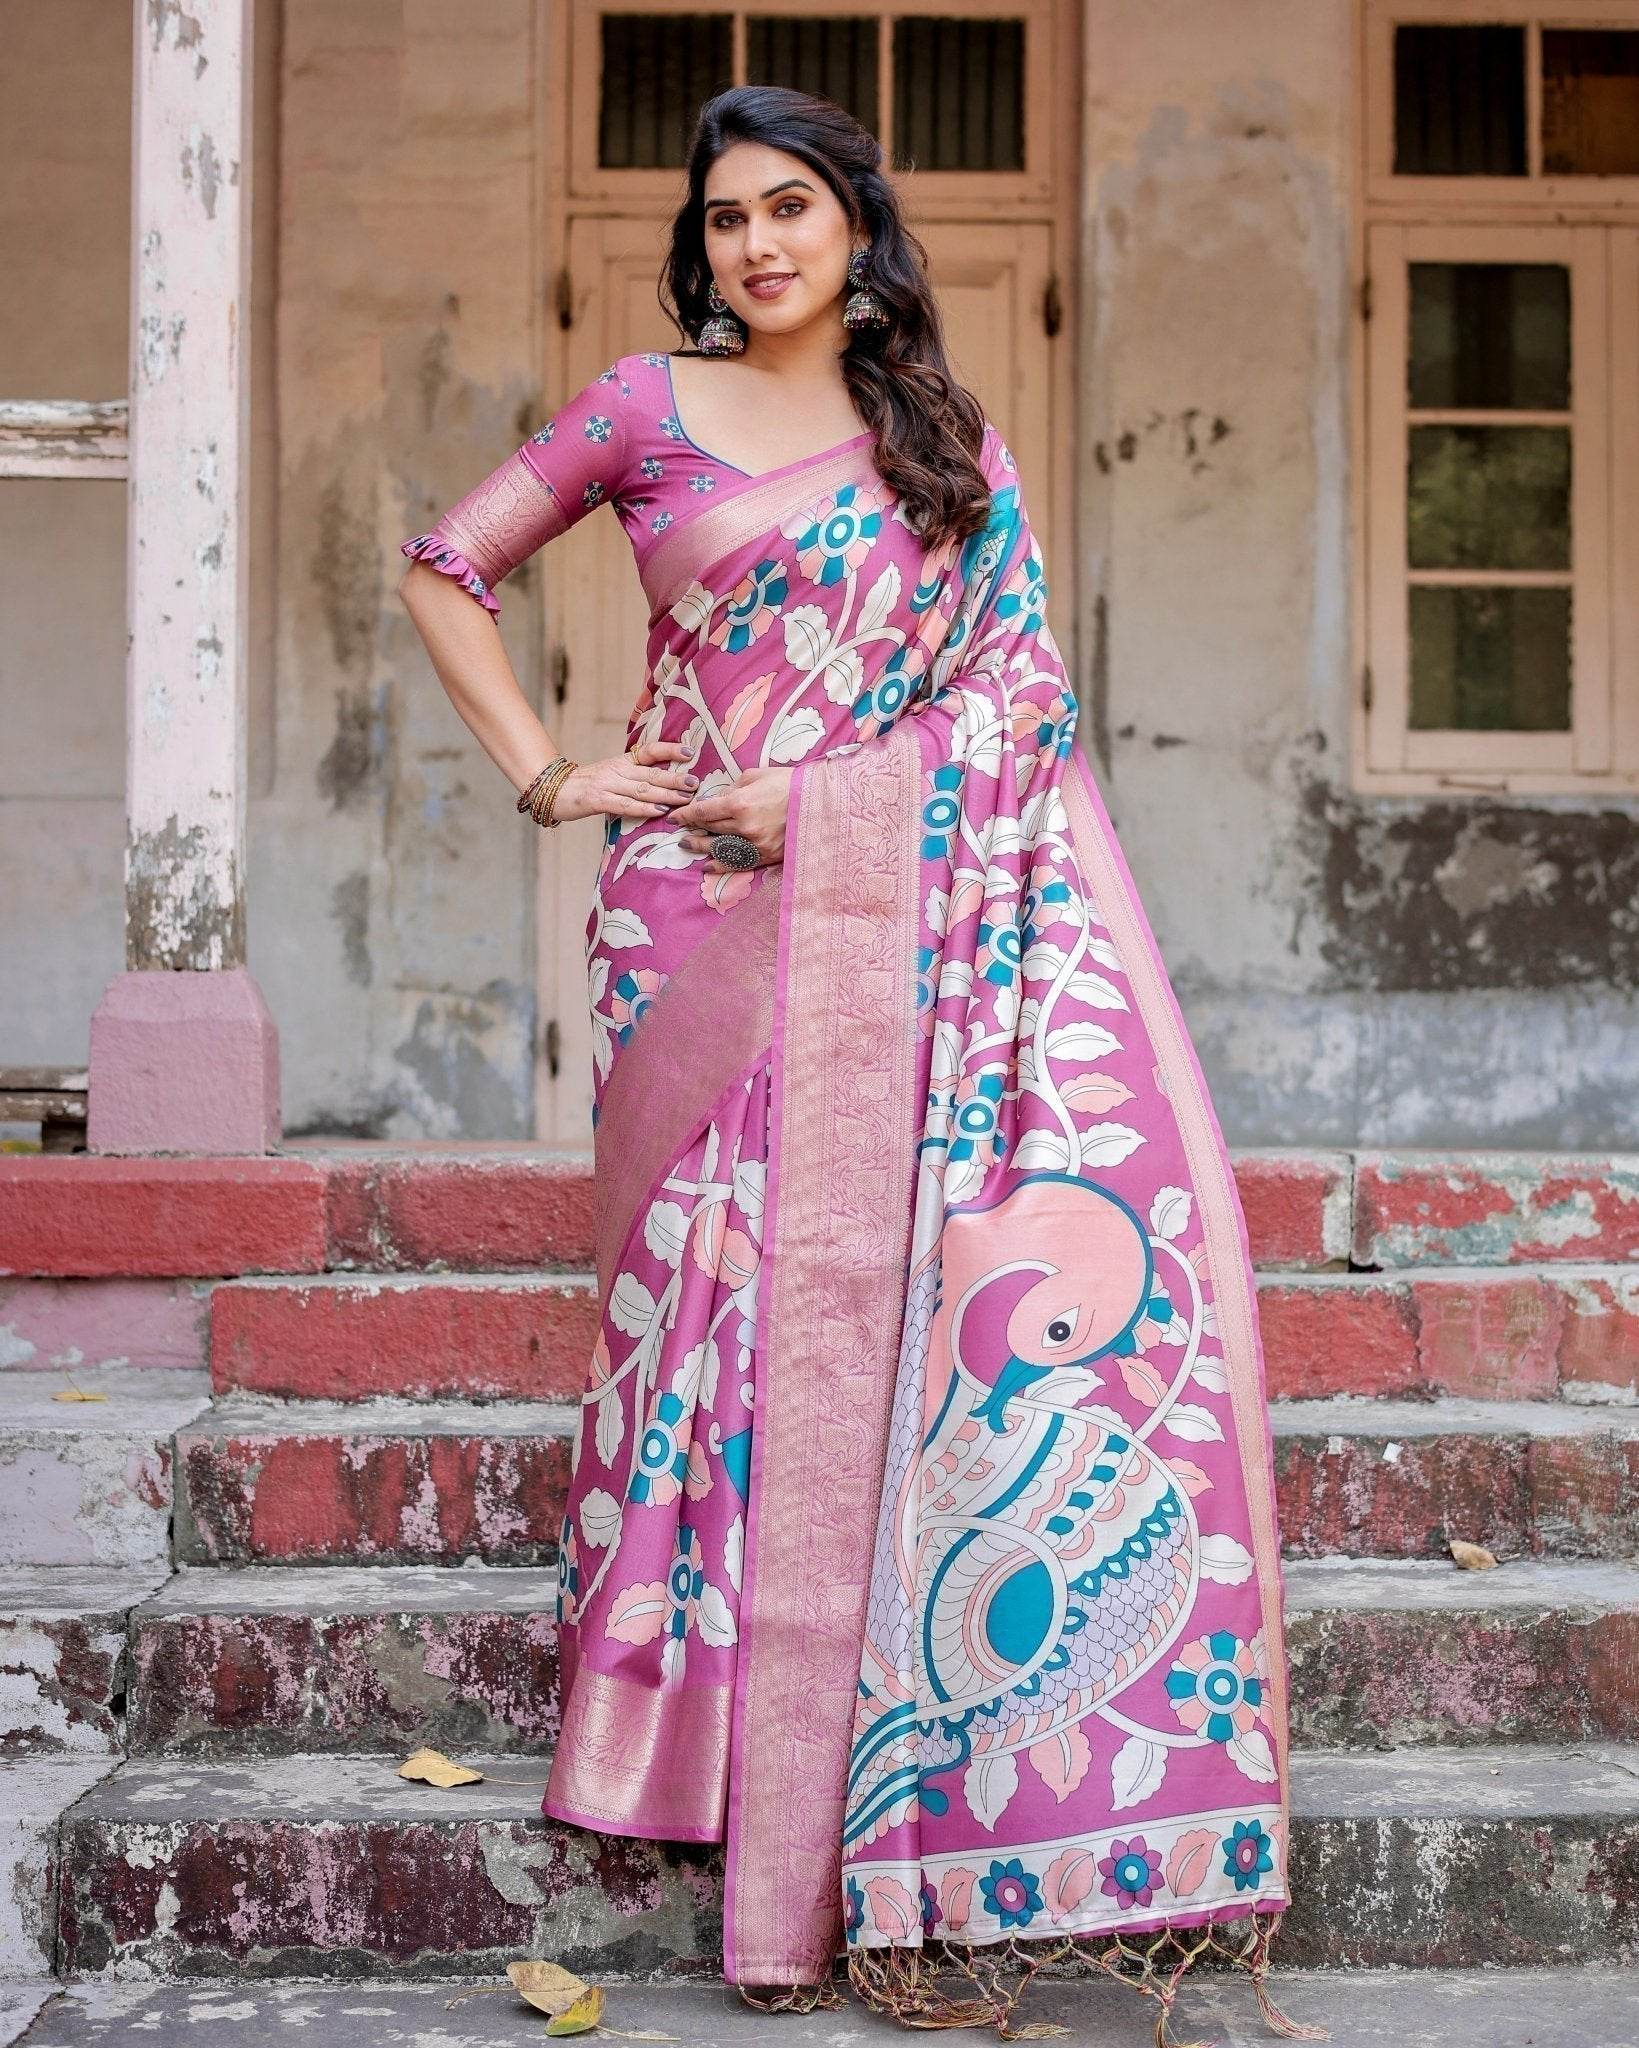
{"x":1489,"y":498}
{"x":836,"y":58}
{"x":1490,"y":334}
{"x":1459,"y":102}
{"x":1490,"y":660}
{"x":657,"y":70}
{"x":1590,"y":102}
{"x":958,"y":102}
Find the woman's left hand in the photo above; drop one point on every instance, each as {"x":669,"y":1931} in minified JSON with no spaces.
{"x":755,"y":804}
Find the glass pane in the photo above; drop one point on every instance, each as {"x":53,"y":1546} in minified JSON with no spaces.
{"x":835,"y":58}
{"x":958,"y":99}
{"x":1489,"y":498}
{"x":1459,"y":102}
{"x":1590,"y":101}
{"x":1491,"y":334}
{"x":657,"y":70}
{"x":1492,"y":660}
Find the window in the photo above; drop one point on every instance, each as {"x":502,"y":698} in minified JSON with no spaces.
{"x":1500,"y":411}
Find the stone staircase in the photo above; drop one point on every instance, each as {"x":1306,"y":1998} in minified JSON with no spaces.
{"x":312,"y":1525}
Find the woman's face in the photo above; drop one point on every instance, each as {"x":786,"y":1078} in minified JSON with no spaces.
{"x":768,"y":214}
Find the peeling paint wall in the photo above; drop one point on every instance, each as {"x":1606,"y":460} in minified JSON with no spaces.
{"x":1355,"y":969}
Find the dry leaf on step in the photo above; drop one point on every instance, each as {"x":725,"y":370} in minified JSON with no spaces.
{"x":432,"y":1767}
{"x":1472,"y":1557}
{"x":549,"y":1987}
{"x":581,"y":2017}
{"x":74,"y":1394}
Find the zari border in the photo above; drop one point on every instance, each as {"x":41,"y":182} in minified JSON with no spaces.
{"x":1116,"y":901}
{"x":711,"y":1022}
{"x":615,"y":1763}
{"x":842,"y":1156}
{"x":710,"y":536}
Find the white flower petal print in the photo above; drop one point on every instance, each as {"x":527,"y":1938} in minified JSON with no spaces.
{"x":600,"y":1518}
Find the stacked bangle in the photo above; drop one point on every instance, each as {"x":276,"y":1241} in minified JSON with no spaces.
{"x":542,"y":794}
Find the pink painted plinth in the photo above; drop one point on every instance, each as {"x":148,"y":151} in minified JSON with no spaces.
{"x":183,"y":1062}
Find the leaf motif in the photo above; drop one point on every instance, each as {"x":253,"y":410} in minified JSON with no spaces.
{"x":1225,"y":1560}
{"x":664,"y":850}
{"x":714,"y":1617}
{"x":1042,"y":1148}
{"x":1190,"y":1859}
{"x":600,"y":1518}
{"x":884,"y":593}
{"x":956,"y":1895}
{"x":637,"y":1613}
{"x":1253,"y":1755}
{"x":796,"y":734}
{"x":745,"y":708}
{"x":611,"y":1427}
{"x":1082,"y":1040}
{"x":807,"y":636}
{"x":1067,"y":1881}
{"x":622,"y":927}
{"x":988,"y":1784}
{"x":631,"y":1305}
{"x":693,"y":608}
{"x":734,"y":1550}
{"x":1189,"y":1476}
{"x":666,"y":1231}
{"x":1193,"y":1424}
{"x":1109,"y":1144}
{"x":893,"y":1910}
{"x":1096,"y":992}
{"x":1062,"y":1761}
{"x":1212,"y":1374}
{"x":1144,"y":1381}
{"x":1097,"y":1094}
{"x":1169,"y":1212}
{"x":1137,"y":1771}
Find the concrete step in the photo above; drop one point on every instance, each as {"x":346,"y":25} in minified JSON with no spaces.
{"x":35,"y":1792}
{"x":337,"y":1336}
{"x":1587,"y":2005}
{"x":335,"y":1867}
{"x":389,"y":1481}
{"x":1545,"y":1332}
{"x":63,"y":1675}
{"x":383,"y":1481}
{"x":1384,"y":1478}
{"x":270,"y":1660}
{"x":89,"y":1482}
{"x":1417,"y":1652}
{"x":274,"y":1659}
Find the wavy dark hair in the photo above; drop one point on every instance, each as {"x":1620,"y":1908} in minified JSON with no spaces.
{"x":928,"y":427}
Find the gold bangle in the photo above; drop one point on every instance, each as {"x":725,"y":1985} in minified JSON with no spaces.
{"x":545,"y":803}
{"x":528,"y":795}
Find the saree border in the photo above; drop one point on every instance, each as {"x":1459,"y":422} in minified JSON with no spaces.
{"x":710,"y":1023}
{"x":715,"y":532}
{"x":614,"y":1765}
{"x":842,"y":1164}
{"x":1223,"y":1224}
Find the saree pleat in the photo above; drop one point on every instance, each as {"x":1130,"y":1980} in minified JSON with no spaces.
{"x":920,"y":1543}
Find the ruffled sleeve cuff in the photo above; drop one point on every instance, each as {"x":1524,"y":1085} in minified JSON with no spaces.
{"x":433,"y":548}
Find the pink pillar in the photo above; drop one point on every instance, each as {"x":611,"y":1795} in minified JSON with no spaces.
{"x":184,"y":1052}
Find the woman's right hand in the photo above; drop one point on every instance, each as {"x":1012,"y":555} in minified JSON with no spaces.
{"x":627,"y":785}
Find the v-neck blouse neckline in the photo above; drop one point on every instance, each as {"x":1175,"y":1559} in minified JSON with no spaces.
{"x":762,"y":475}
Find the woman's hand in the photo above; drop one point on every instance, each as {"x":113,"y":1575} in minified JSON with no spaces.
{"x":629,"y":785}
{"x":755,"y":804}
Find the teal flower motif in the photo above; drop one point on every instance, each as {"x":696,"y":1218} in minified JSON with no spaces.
{"x":752,"y":607}
{"x":853,"y":1909}
{"x":1046,"y":890}
{"x":1057,"y":733}
{"x":927,"y":984}
{"x":838,"y":535}
{"x":598,"y":427}
{"x":684,"y":1580}
{"x":941,"y":813}
{"x":1001,"y":950}
{"x":977,"y":1116}
{"x":982,"y":550}
{"x":1012,"y":1893}
{"x":663,"y":1455}
{"x":1248,"y":1854}
{"x":1023,"y":600}
{"x":1214,"y":1687}
{"x":568,"y":1571}
{"x":880,"y":703}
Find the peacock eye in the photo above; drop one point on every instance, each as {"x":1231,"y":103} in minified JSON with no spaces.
{"x":1059,"y":1330}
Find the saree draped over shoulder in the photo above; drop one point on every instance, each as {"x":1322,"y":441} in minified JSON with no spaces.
{"x":921,"y":1542}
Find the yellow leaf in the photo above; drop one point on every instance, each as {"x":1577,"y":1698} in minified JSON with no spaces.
{"x":1472,"y":1557}
{"x":549,"y":1987}
{"x":432,"y":1767}
{"x":74,"y":1394}
{"x":581,"y":2017}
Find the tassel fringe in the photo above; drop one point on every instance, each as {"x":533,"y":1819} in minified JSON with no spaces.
{"x":902,"y":1982}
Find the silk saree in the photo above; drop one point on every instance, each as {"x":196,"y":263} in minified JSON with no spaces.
{"x":921,"y":1543}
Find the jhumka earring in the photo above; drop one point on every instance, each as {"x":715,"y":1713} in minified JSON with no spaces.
{"x":863,"y":308}
{"x":722,"y":334}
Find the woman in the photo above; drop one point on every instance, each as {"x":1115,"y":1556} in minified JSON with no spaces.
{"x":921,"y":1542}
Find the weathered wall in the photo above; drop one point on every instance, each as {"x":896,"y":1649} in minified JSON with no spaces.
{"x":1354,"y":968}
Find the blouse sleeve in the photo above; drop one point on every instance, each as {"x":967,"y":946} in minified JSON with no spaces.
{"x":575,"y":462}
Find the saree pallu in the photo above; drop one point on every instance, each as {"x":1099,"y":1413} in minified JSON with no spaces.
{"x":921,"y":1543}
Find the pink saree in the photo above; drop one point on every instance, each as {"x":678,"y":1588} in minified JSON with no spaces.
{"x":921,"y":1543}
